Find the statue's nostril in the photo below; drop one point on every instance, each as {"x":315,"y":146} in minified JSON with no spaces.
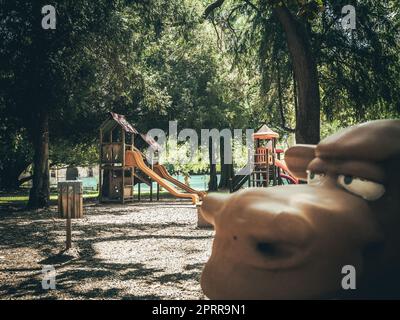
{"x":267,"y":249}
{"x":274,"y":250}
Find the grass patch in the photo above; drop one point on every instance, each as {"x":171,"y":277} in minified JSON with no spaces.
{"x":20,"y":198}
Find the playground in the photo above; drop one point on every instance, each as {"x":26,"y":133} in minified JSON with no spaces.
{"x":132,"y":251}
{"x":215,"y":149}
{"x":130,"y":240}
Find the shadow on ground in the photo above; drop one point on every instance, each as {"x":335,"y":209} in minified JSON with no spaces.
{"x":31,"y":240}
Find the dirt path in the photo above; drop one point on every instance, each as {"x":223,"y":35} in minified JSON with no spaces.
{"x":137,"y":251}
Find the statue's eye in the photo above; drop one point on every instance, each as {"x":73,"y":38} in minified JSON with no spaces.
{"x":365,"y":189}
{"x":348,"y":180}
{"x":315,"y":178}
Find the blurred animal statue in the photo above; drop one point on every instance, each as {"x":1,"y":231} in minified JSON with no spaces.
{"x":292,"y":242}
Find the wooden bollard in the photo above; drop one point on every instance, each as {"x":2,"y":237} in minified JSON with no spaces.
{"x":70,"y":205}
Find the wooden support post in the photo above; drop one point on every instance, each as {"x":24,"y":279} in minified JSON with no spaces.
{"x":123,"y":165}
{"x":70,"y":207}
{"x":133,"y":184}
{"x":273,"y":161}
{"x":254,"y":174}
{"x":133,"y":169}
{"x":110,"y":173}
{"x":100,"y":185}
{"x":69,"y":234}
{"x":100,"y":164}
{"x":139,"y":191}
{"x":151,"y":190}
{"x":158,"y":192}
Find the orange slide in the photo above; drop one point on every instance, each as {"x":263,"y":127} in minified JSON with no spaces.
{"x":286,"y":173}
{"x":135,"y":159}
{"x":163,"y":172}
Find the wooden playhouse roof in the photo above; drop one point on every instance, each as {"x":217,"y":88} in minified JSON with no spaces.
{"x":120,"y":119}
{"x":115,"y":118}
{"x":265,"y":133}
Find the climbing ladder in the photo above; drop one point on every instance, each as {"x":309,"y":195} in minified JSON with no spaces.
{"x":265,"y":172}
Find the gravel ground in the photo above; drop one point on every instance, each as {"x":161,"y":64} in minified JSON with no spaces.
{"x":134,"y":251}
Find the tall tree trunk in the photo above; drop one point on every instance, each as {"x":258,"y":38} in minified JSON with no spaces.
{"x":305,"y":69}
{"x":295,"y":96}
{"x":280,"y":100}
{"x":226,"y":169}
{"x":213,"y":183}
{"x":39,"y":195}
{"x":306,"y":75}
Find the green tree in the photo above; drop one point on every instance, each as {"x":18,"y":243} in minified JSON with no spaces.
{"x":54,"y":77}
{"x":299,"y":47}
{"x":352,"y":73}
{"x":16,"y":153}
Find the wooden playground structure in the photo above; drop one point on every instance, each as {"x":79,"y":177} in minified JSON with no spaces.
{"x":265,"y":165}
{"x":116,"y":179}
{"x":123,"y":165}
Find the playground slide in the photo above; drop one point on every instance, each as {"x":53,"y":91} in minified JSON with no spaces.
{"x":286,"y":174}
{"x":239,"y":181}
{"x":163,"y":172}
{"x":137,"y":157}
{"x":241,"y":178}
{"x":142,"y":178}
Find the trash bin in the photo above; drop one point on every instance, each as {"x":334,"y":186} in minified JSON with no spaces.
{"x":70,"y":199}
{"x":70,"y":205}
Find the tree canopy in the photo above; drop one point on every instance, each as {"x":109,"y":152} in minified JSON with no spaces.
{"x":223,"y":64}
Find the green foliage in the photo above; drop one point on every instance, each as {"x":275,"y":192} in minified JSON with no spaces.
{"x":358,"y":70}
{"x":157,"y":61}
{"x":188,"y":79}
{"x":16,"y":153}
{"x":180,"y":160}
{"x":330,"y":127}
{"x":152,"y":60}
{"x":63,"y":153}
